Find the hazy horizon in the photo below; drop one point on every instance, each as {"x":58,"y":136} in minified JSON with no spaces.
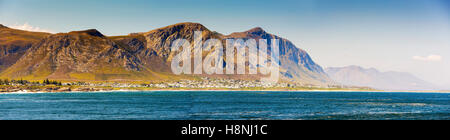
{"x":389,"y":35}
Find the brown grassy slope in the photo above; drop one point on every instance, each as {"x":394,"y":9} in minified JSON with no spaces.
{"x":75,"y":55}
{"x":82,"y":56}
{"x":14,"y":43}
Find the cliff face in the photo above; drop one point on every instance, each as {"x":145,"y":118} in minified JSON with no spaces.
{"x":296,"y":64}
{"x":89,"y":55}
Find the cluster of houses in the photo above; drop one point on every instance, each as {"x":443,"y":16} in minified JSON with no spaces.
{"x":204,"y":83}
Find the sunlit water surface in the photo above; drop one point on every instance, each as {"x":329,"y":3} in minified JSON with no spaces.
{"x":228,"y":105}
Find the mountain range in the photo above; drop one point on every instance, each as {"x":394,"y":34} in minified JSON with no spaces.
{"x":358,"y":76}
{"x":91,"y":56}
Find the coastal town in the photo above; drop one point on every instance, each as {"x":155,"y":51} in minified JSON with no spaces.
{"x":8,"y":86}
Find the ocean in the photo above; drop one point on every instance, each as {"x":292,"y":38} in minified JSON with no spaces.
{"x":225,"y":105}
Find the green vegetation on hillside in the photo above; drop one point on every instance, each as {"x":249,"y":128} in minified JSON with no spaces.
{"x":26,"y":82}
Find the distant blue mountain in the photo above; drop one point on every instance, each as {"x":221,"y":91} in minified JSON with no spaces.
{"x":358,"y":76}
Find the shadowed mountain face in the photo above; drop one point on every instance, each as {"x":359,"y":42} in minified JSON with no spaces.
{"x":296,"y":64}
{"x":89,"y":55}
{"x":358,"y":76}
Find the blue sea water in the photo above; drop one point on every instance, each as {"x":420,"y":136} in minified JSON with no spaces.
{"x":225,"y":105}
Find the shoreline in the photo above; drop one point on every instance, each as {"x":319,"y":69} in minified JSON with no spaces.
{"x":219,"y":90}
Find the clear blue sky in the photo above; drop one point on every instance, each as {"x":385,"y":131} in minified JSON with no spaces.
{"x":390,"y":35}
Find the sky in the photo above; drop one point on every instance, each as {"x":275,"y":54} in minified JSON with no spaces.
{"x":390,"y":35}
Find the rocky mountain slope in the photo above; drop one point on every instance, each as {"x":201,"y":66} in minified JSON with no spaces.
{"x":358,"y":76}
{"x":296,"y":64}
{"x":89,"y":55}
{"x":75,"y":55}
{"x":14,"y":44}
